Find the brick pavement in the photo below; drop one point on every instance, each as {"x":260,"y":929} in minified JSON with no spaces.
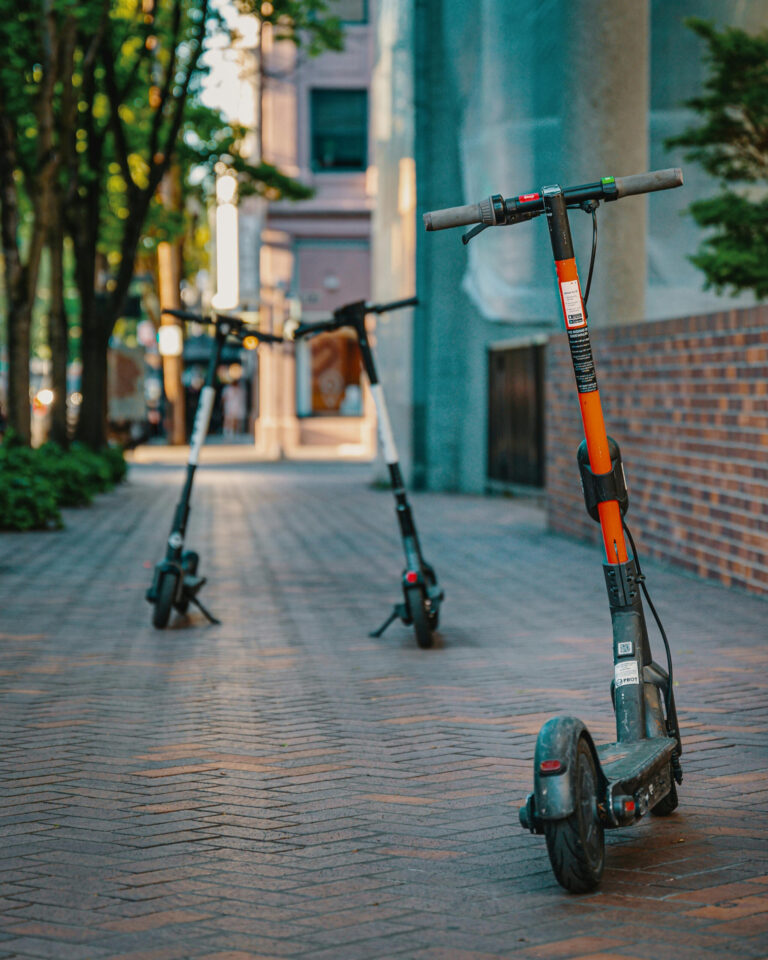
{"x":284,"y":786}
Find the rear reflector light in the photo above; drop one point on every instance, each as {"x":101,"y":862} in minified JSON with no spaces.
{"x":629,"y":806}
{"x":550,"y":766}
{"x":411,"y":577}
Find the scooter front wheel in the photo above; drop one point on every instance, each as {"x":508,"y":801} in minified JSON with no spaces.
{"x":189,"y":564}
{"x":576,"y":844}
{"x":434,"y":613}
{"x":166,"y":591}
{"x":414,"y":598}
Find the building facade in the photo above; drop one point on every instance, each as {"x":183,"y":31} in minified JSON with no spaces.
{"x":314,"y":255}
{"x":471,"y":100}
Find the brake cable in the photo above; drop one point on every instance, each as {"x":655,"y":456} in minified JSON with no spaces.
{"x":656,"y":617}
{"x":590,"y":206}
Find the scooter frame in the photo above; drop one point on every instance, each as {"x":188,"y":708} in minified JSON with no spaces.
{"x":581,"y":788}
{"x":175,"y":583}
{"x":422,"y":594}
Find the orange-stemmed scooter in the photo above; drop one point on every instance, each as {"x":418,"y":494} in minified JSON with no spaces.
{"x":580,"y":788}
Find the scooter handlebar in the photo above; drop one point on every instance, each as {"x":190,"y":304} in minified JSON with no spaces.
{"x":186,"y":315}
{"x":241,"y":329}
{"x":453,"y":217}
{"x":265,"y":337}
{"x":394,"y":305}
{"x":307,"y":329}
{"x":649,"y":182}
{"x":494,"y":211}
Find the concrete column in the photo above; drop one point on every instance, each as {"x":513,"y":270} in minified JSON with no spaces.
{"x":605,"y":132}
{"x":267,"y":426}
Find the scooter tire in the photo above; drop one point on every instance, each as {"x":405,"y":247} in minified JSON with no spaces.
{"x":576,"y":844}
{"x":166,"y":590}
{"x":421,"y":626}
{"x":667,"y":804}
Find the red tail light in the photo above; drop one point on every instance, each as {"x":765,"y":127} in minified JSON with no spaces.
{"x":551,"y":766}
{"x":411,"y":577}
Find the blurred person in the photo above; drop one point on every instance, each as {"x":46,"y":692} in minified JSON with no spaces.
{"x":233,"y":400}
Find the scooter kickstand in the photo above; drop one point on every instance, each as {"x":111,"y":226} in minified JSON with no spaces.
{"x":397,"y":611}
{"x":206,"y":613}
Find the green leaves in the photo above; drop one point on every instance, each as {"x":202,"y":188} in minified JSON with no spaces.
{"x":307,"y":23}
{"x":731,"y":142}
{"x":734,"y":256}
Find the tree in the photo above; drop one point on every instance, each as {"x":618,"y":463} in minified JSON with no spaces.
{"x":32,"y":38}
{"x":133,"y":100}
{"x":731,"y":143}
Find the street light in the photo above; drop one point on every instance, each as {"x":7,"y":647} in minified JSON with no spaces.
{"x":227,"y":253}
{"x":170,"y":342}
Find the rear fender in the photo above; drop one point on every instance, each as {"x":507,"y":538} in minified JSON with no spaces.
{"x":554,"y":792}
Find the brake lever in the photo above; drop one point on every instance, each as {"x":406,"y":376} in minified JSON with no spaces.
{"x":473,"y":233}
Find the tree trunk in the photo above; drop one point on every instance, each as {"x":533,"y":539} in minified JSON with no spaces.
{"x":92,"y":422}
{"x":19,"y":309}
{"x":169,"y":272}
{"x":58,"y":331}
{"x":19,"y":322}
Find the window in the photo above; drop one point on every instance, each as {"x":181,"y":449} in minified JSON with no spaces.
{"x":339,"y":121}
{"x":350,"y":11}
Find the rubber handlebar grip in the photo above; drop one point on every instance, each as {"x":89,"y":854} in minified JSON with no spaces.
{"x":394,"y":305}
{"x":186,"y":315}
{"x":453,"y":217}
{"x":649,"y":182}
{"x":308,"y":329}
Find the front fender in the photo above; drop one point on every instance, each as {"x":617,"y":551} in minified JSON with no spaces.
{"x":554,"y":792}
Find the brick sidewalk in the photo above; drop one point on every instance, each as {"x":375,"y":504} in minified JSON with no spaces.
{"x":284,"y":786}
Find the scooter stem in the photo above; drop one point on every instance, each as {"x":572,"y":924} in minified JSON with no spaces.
{"x":575,"y":319}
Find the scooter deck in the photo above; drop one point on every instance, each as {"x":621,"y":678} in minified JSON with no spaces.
{"x":631,"y":764}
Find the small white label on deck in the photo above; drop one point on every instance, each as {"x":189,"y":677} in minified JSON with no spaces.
{"x":627,"y":672}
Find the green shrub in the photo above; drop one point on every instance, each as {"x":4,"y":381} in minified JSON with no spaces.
{"x":34,"y":484}
{"x":27,"y":501}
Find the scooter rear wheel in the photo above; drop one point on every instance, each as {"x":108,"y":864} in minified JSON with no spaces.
{"x":576,"y":844}
{"x":166,"y":590}
{"x":421,"y":626}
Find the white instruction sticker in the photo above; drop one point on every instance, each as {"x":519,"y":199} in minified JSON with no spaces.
{"x":627,"y":672}
{"x":572,"y":306}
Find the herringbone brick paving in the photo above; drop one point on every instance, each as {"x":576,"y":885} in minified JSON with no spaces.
{"x":284,"y":786}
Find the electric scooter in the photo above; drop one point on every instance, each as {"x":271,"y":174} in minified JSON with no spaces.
{"x":581,"y":789}
{"x":176,"y":582}
{"x":422,"y":594}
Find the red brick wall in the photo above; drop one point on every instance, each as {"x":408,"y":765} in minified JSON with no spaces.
{"x":687,"y":401}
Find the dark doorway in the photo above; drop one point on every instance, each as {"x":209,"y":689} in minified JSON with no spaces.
{"x":516,"y":415}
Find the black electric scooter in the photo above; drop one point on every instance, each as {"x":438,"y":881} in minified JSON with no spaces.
{"x":422,"y":594}
{"x":176,"y":582}
{"x":582,"y":789}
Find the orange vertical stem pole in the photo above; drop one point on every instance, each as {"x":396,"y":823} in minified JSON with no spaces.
{"x":589,"y":402}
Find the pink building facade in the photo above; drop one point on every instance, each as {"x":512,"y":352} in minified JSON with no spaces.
{"x":315,"y":254}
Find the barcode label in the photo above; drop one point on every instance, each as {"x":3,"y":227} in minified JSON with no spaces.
{"x":572,"y":306}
